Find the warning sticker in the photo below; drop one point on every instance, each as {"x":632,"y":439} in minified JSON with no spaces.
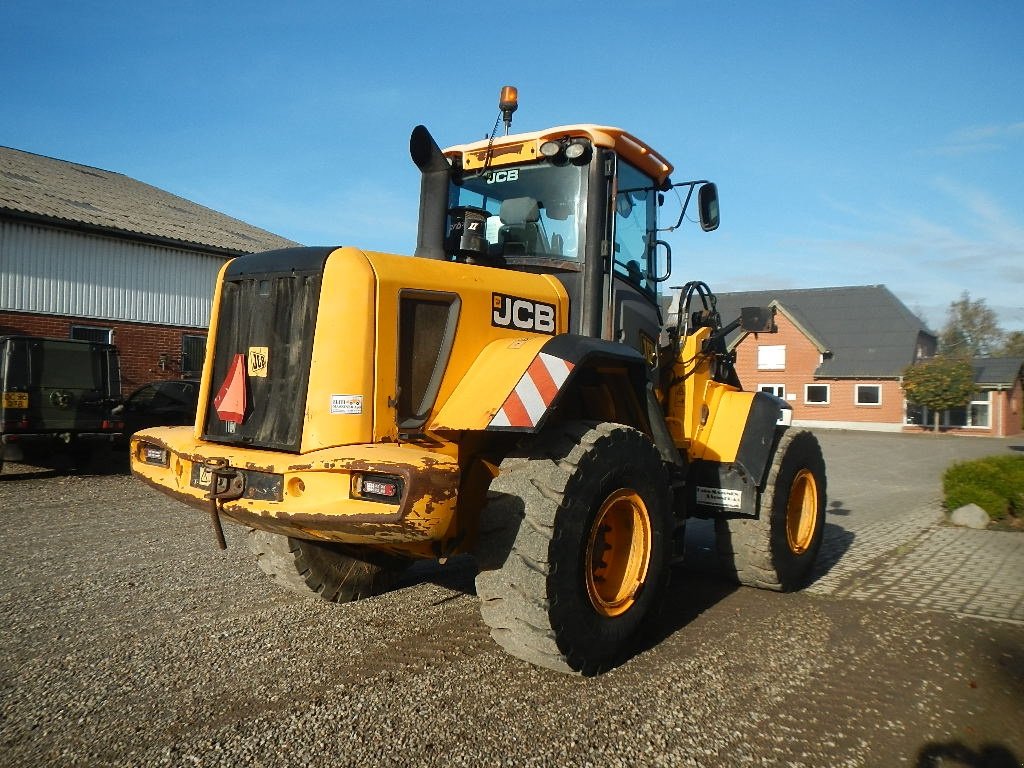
{"x":259,"y":358}
{"x":352,"y":404}
{"x":719,"y":497}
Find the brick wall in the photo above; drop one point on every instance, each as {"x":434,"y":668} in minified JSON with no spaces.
{"x":1012,"y":410}
{"x":801,"y":360}
{"x":139,"y":346}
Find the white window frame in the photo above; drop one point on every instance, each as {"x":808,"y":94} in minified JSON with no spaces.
{"x":779,"y":390}
{"x":771,"y":357}
{"x":944,"y":420}
{"x":828,"y":395}
{"x":986,"y":404}
{"x":856,"y":395}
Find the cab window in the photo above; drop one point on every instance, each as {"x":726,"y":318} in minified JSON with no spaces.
{"x":634,"y":227}
{"x":534,"y":210}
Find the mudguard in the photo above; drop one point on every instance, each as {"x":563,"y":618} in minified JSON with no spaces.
{"x":513,"y":385}
{"x":733,"y":453}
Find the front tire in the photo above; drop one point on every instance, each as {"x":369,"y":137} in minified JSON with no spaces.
{"x":777,"y":549}
{"x":575,"y":545}
{"x":321,"y":569}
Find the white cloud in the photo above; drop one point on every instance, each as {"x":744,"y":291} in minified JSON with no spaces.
{"x":965,"y":239}
{"x":977,"y":139}
{"x":986,"y":132}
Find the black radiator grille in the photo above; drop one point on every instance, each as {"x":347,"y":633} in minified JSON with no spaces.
{"x":269,"y":319}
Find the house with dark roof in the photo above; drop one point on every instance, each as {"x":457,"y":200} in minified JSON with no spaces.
{"x":93,"y":254}
{"x":839,"y":354}
{"x":995,"y":407}
{"x":1001,"y":389}
{"x":838,"y":360}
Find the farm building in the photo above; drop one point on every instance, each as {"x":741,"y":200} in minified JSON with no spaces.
{"x":92,"y":254}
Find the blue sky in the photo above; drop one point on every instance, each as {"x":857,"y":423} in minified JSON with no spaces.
{"x":853,"y":143}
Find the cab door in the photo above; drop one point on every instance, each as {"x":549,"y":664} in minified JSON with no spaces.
{"x":636,"y":314}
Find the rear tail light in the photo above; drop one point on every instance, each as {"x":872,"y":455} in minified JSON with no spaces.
{"x":384,"y":488}
{"x":148,"y":453}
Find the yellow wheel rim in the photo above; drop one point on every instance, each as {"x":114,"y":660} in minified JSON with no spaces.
{"x":618,"y":553}
{"x":802,"y":512}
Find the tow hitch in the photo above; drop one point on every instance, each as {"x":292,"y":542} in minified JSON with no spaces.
{"x":226,"y":484}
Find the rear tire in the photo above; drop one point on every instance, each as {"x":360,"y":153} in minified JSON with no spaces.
{"x":321,"y":569}
{"x":777,"y":549}
{"x":574,"y":546}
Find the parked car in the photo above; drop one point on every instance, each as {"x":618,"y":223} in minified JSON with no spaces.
{"x":159,"y":404}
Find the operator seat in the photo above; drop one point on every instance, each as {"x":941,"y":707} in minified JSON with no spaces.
{"x":520,"y":233}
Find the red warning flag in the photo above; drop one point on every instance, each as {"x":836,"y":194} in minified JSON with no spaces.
{"x":230,"y":400}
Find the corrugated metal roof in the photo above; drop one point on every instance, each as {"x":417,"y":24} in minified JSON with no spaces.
{"x":43,"y":188}
{"x":867,"y":330}
{"x":995,"y":371}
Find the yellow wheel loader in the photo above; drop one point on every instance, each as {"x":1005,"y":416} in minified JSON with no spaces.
{"x":512,"y":392}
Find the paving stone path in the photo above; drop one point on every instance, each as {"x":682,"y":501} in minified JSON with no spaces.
{"x":919,"y":560}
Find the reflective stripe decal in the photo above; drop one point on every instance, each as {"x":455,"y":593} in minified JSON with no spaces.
{"x":536,"y":390}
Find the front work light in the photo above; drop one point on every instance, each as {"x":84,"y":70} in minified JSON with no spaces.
{"x":578,"y":152}
{"x":550,"y":149}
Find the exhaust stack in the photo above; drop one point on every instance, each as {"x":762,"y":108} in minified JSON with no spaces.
{"x":436,"y":172}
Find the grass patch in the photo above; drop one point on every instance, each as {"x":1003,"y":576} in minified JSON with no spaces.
{"x":995,"y":483}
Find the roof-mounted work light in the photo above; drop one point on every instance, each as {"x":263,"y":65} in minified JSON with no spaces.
{"x":578,"y":152}
{"x":550,"y":149}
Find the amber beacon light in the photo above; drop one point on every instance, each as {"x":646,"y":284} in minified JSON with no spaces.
{"x":508,"y":103}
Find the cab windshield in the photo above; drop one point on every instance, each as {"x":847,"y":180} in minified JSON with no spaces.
{"x":535,"y":210}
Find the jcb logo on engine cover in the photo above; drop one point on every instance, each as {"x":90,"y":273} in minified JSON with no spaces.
{"x":522,"y":314}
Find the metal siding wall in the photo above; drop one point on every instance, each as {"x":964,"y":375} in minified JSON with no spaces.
{"x":50,"y":271}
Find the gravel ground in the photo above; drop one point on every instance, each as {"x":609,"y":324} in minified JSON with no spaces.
{"x":128,"y":639}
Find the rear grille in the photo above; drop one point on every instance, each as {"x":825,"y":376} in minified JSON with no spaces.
{"x":269,"y":318}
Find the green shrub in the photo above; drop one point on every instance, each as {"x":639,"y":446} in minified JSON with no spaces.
{"x":995,"y":483}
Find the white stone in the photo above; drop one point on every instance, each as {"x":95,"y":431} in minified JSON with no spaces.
{"x":971,"y":516}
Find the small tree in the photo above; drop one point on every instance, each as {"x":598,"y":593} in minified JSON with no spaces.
{"x":938,"y":384}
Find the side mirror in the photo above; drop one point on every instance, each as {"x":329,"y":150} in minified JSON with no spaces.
{"x":758,"y":319}
{"x":707,"y":202}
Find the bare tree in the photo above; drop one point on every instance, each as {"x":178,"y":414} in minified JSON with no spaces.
{"x":971,"y":330}
{"x":1013,"y":345}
